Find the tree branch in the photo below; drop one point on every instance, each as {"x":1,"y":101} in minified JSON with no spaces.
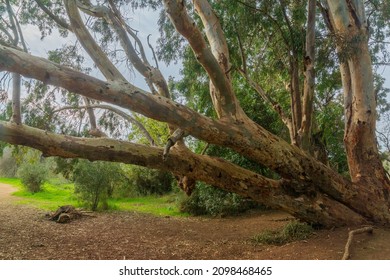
{"x":60,"y":21}
{"x":276,"y":106}
{"x":151,"y":74}
{"x":351,"y":234}
{"x":124,"y":115}
{"x":214,"y":171}
{"x":225,"y":102}
{"x":93,"y":49}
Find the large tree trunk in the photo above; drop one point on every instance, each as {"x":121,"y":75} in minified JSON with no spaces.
{"x":308,"y":189}
{"x":308,"y":205}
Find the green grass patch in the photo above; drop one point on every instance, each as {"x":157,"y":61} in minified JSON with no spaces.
{"x":292,"y":231}
{"x":11,"y":181}
{"x":53,"y":194}
{"x":157,"y":205}
{"x":57,"y":193}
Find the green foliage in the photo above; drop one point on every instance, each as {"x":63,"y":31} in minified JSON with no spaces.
{"x":144,"y":181}
{"x":33,"y":175}
{"x":165,"y":205}
{"x":57,"y":192}
{"x":207,"y":200}
{"x":65,"y":167}
{"x":95,"y":182}
{"x":290,"y":232}
{"x":8,"y":165}
{"x":158,"y":131}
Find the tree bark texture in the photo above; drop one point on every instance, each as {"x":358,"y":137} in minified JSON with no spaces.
{"x":308,"y":189}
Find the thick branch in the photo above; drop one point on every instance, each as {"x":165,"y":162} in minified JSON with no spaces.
{"x":214,"y":171}
{"x":227,"y":104}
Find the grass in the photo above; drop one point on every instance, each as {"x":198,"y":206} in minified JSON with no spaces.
{"x":292,"y":231}
{"x":57,"y":193}
{"x":53,"y":194}
{"x":156,"y":205}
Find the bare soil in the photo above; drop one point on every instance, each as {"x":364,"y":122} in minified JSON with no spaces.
{"x":25,"y":233}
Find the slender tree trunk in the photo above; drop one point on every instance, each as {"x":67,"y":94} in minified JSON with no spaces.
{"x":305,"y":130}
{"x":296,"y":102}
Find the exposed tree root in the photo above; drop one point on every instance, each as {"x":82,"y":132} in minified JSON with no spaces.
{"x":351,"y":234}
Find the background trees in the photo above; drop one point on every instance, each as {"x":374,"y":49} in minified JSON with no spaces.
{"x":261,"y":88}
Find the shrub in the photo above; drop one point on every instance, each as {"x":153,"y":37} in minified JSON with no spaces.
{"x":207,"y":200}
{"x":33,"y":175}
{"x":95,"y":182}
{"x":145,"y":181}
{"x":290,"y":232}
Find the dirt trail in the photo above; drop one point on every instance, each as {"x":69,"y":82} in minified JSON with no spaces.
{"x":5,"y":193}
{"x":25,"y":233}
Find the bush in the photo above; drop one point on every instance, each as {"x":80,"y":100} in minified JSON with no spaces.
{"x":207,"y":200}
{"x":8,"y":164}
{"x":33,"y":175}
{"x":144,"y":181}
{"x":290,"y":232}
{"x":95,"y":182}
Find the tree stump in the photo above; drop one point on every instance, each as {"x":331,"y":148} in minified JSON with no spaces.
{"x":65,"y":214}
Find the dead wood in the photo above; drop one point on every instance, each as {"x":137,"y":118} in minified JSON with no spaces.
{"x":65,"y":214}
{"x":351,"y":234}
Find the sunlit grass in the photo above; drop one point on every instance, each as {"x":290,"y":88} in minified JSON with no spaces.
{"x":57,"y":193}
{"x":51,"y":197}
{"x":156,"y":205}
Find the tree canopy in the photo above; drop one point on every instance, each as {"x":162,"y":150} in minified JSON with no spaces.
{"x":276,"y":101}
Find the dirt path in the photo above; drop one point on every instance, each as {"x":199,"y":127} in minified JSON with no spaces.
{"x":5,"y":193}
{"x":25,"y":233}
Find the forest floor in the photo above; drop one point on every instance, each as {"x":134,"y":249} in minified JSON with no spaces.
{"x":25,"y":233}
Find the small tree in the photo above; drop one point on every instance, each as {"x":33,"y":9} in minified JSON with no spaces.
{"x":33,"y":175}
{"x":95,"y":181}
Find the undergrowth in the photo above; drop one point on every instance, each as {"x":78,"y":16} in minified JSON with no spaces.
{"x":292,"y":231}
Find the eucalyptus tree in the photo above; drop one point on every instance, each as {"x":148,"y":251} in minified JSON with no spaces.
{"x":301,"y":184}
